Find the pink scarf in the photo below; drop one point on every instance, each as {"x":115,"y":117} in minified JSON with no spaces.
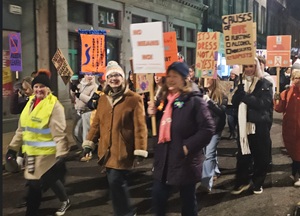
{"x":166,"y":120}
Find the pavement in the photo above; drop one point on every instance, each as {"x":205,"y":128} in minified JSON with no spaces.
{"x":88,"y":188}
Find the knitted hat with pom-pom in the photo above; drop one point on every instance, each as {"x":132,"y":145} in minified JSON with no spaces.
{"x":42,"y":77}
{"x":114,"y":67}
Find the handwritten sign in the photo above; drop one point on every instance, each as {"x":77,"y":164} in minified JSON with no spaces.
{"x":93,"y":53}
{"x":143,"y":82}
{"x":279,"y":51}
{"x":238,"y":38}
{"x":147,"y":47}
{"x":15,"y":51}
{"x":62,"y":66}
{"x":207,"y":54}
{"x":170,"y":43}
{"x":261,"y":52}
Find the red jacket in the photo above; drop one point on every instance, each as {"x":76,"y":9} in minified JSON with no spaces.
{"x":289,"y":105}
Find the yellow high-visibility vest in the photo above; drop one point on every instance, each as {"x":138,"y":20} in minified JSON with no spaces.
{"x":37,"y":138}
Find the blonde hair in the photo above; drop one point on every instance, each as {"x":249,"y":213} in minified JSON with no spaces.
{"x":216,"y":92}
{"x":296,"y":72}
{"x":187,"y":88}
{"x":258,"y":72}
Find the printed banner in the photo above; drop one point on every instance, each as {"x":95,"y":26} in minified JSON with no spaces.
{"x":93,"y":51}
{"x":279,"y":51}
{"x":62,"y":66}
{"x":170,"y":43}
{"x":7,"y":85}
{"x":207,"y":54}
{"x":147,"y":47}
{"x":238,"y":38}
{"x":15,"y":51}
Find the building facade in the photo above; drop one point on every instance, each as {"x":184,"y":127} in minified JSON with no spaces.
{"x":46,"y":25}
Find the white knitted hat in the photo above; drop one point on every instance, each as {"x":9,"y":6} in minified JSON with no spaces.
{"x":113,"y":66}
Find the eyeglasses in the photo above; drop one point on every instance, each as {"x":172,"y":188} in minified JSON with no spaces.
{"x":113,"y":75}
{"x":297,"y":78}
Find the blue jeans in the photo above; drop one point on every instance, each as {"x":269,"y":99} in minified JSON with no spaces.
{"x":161,"y":193}
{"x":210,"y":165}
{"x":117,"y":180}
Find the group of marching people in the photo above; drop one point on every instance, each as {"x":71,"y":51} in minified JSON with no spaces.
{"x":190,"y":115}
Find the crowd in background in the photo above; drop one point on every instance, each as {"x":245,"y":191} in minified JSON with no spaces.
{"x":191,"y":114}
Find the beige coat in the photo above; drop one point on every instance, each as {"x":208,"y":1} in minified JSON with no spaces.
{"x":57,"y":125}
{"x":86,"y":90}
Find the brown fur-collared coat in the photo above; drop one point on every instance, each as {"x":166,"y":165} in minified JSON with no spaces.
{"x":121,"y":126}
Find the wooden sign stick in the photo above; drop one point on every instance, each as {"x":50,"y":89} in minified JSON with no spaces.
{"x":153,"y":117}
{"x":278,"y":82}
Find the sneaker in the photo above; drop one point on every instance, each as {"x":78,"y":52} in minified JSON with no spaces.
{"x":297,"y":183}
{"x":64,"y":206}
{"x":258,"y":190}
{"x":203,"y":189}
{"x":240,"y":189}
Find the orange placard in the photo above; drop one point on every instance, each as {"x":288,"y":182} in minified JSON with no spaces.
{"x":93,"y":55}
{"x":170,"y":44}
{"x":278,"y":51}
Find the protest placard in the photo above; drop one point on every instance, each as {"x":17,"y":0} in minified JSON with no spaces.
{"x":15,"y":51}
{"x":238,"y":38}
{"x":93,"y":51}
{"x":279,"y":51}
{"x":261,"y":52}
{"x":207,"y":54}
{"x":170,"y":44}
{"x":62,"y":66}
{"x":147,"y":47}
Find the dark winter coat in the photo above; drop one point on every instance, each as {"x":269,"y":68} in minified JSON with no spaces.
{"x":259,"y":102}
{"x":192,"y":126}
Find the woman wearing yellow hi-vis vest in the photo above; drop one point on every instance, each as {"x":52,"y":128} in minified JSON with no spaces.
{"x":41,"y":133}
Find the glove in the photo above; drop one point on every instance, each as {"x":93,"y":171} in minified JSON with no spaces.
{"x":11,"y":154}
{"x":240,"y":88}
{"x":77,"y":94}
{"x":138,"y":160}
{"x":74,"y":88}
{"x":276,"y":96}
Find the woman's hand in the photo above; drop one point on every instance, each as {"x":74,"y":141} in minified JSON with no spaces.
{"x":151,"y":108}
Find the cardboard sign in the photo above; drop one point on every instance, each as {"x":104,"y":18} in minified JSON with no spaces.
{"x":170,"y":43}
{"x":15,"y":51}
{"x":279,"y":51}
{"x":62,"y":66}
{"x":207,"y":54}
{"x":227,"y":86}
{"x":143,"y":82}
{"x":147,"y":47}
{"x":93,"y":53}
{"x":254,"y":38}
{"x":238,"y":38}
